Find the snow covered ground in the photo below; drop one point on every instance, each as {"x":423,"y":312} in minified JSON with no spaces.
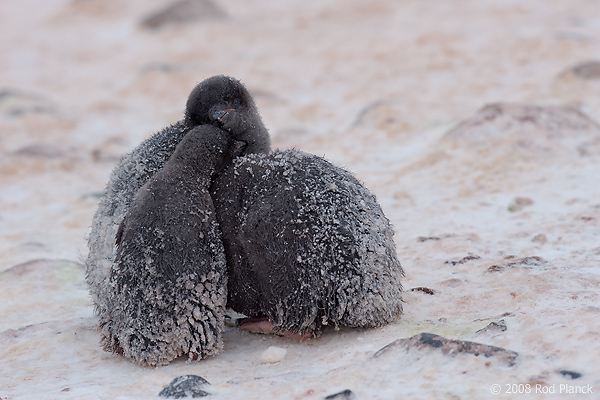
{"x":475,"y":124}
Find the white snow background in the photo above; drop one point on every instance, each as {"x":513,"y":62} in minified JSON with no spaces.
{"x":496,"y":209}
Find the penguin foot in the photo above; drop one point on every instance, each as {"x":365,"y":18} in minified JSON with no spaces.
{"x":263,"y":325}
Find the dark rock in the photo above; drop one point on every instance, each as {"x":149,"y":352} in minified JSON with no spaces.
{"x":185,"y":386}
{"x":570,"y":374}
{"x":425,"y":290}
{"x":184,"y":11}
{"x":431,"y":340}
{"x":463,"y":260}
{"x":499,"y":326}
{"x":526,"y":262}
{"x":450,"y":347}
{"x":343,"y":395}
{"x":427,"y":238}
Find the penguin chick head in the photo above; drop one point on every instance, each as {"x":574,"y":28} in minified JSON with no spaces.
{"x":225,"y":102}
{"x":207,"y":149}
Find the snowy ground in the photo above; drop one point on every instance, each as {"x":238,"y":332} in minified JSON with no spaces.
{"x":496,"y":209}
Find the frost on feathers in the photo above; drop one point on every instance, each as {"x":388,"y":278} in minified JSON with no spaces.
{"x":218,"y":100}
{"x":126,"y":179}
{"x":167,"y":289}
{"x":307,"y":245}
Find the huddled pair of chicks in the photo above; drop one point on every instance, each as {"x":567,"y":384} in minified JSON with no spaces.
{"x":203,"y":216}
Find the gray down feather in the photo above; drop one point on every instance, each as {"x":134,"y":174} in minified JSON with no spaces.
{"x":307,"y":244}
{"x":167,"y":289}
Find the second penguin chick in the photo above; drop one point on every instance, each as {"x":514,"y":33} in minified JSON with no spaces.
{"x":307,"y":244}
{"x":168,"y":284}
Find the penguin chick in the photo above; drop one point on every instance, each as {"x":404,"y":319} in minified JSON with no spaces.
{"x":225,"y":102}
{"x":307,"y":245}
{"x":126,"y":179}
{"x":149,"y":157}
{"x":168,"y":284}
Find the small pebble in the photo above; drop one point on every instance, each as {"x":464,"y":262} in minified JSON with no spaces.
{"x":570,"y":374}
{"x":494,"y":327}
{"x":519,"y":203}
{"x":273,"y":355}
{"x":344,"y":395}
{"x":425,"y":290}
{"x":185,"y":386}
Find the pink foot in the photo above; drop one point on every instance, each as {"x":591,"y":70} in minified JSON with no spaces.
{"x":263,"y":325}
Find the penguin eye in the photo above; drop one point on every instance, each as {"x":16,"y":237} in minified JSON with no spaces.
{"x":237,"y":102}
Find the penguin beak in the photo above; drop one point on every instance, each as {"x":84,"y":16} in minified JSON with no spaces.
{"x":220,"y":114}
{"x":220,"y":119}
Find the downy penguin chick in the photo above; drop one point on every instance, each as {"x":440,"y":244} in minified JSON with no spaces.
{"x":225,"y":102}
{"x":219,"y":100}
{"x":168,"y":284}
{"x":307,"y":244}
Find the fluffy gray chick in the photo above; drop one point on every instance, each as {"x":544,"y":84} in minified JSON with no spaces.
{"x":307,"y":245}
{"x":167,"y":289}
{"x":219,"y":100}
